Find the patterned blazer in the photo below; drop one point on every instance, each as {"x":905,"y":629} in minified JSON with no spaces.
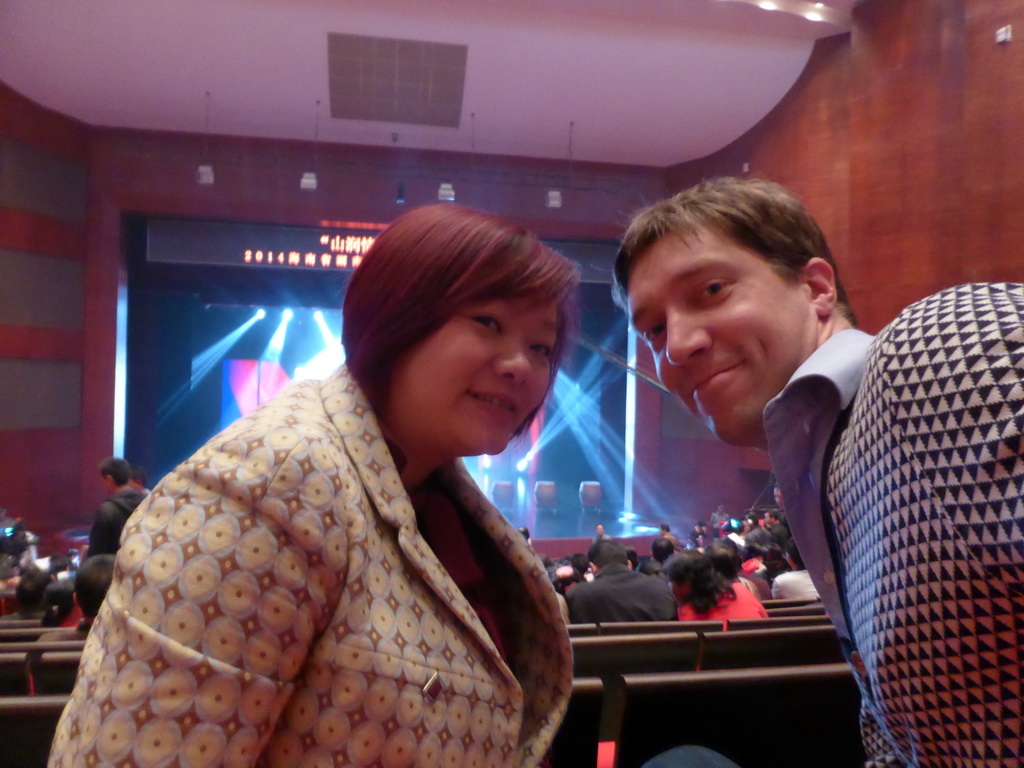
{"x":927,"y":490}
{"x":274,"y":604}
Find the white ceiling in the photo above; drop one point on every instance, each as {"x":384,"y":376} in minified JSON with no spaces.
{"x":645,"y":82}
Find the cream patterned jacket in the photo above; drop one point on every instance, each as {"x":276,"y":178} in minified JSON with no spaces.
{"x":274,"y":605}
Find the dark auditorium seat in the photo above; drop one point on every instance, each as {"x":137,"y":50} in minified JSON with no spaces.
{"x":582,"y":630}
{"x":770,"y":647}
{"x":608,"y":655}
{"x":780,"y":622}
{"x":13,"y":675}
{"x":22,"y":634}
{"x":776,"y":717}
{"x":651,"y":627}
{"x":27,"y":725}
{"x":811,"y":609}
{"x":53,"y":671}
{"x":788,"y":602}
{"x":575,"y":743}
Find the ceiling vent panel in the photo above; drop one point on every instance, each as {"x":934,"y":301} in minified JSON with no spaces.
{"x":396,"y":81}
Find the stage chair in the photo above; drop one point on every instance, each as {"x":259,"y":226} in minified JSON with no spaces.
{"x":545,"y":493}
{"x":591,"y":496}
{"x":503,"y":494}
{"x":776,"y":717}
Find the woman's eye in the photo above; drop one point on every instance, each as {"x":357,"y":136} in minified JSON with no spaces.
{"x":545,"y":350}
{"x":486,"y":320}
{"x":652,"y":333}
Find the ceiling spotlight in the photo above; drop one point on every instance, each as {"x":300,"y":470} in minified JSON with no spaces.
{"x":812,"y":16}
{"x":261,"y":313}
{"x":287,"y":314}
{"x":308,"y":181}
{"x":204,"y":175}
{"x":554,"y":198}
{"x":767,"y":6}
{"x":446,"y":192}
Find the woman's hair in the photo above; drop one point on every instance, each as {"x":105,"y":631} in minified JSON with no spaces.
{"x":427,"y":266}
{"x":706,"y":584}
{"x":725,"y":558}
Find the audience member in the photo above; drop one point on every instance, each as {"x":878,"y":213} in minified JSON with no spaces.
{"x":661,"y":550}
{"x":774,"y":562}
{"x":105,"y":536}
{"x":718,"y":518}
{"x":633,"y":557}
{"x":618,"y":593}
{"x":29,"y":593}
{"x":59,"y":609}
{"x":699,"y":535}
{"x":725,"y":557}
{"x":702,"y":593}
{"x":91,"y":584}
{"x":773,"y":520}
{"x":666,"y":533}
{"x":757,"y":534}
{"x":797,"y":584}
{"x":599,"y":533}
{"x":138,"y":479}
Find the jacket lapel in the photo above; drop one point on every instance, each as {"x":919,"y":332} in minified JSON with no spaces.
{"x":366,"y":448}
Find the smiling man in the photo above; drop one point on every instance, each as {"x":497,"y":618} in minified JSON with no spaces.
{"x":898,"y":456}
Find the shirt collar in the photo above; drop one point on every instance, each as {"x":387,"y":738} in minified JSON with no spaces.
{"x":840,"y":360}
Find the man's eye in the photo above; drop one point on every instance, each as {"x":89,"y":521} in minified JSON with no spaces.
{"x":713,"y":288}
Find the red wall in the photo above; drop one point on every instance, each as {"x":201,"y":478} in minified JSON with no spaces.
{"x":39,"y":467}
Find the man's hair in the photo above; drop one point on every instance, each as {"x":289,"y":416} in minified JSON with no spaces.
{"x":426,"y":267}
{"x":139,"y":475}
{"x":92,"y":582}
{"x":606,"y":551}
{"x":774,"y":514}
{"x":118,"y":470}
{"x":31,"y":588}
{"x":633,"y":557}
{"x":725,"y":558}
{"x":794,"y":554}
{"x":665,"y":528}
{"x":662,"y":549}
{"x":756,"y":214}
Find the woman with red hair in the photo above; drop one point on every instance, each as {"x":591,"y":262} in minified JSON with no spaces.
{"x":323,"y":583}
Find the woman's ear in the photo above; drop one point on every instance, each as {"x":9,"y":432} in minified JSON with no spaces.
{"x":820,"y":279}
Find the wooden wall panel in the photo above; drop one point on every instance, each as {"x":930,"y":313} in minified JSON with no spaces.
{"x":993,"y":190}
{"x":906,"y":153}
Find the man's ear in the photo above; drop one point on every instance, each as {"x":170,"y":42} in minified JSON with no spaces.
{"x":820,"y":279}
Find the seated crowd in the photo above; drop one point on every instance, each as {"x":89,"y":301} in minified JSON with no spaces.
{"x":715,"y":578}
